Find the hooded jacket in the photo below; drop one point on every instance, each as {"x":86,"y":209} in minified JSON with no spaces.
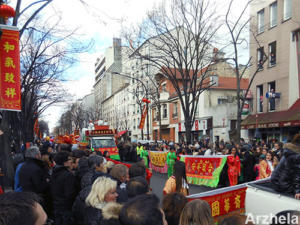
{"x":286,"y":176}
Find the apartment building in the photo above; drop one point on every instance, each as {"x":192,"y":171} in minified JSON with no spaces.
{"x":216,"y":112}
{"x":107,"y":81}
{"x":276,"y":106}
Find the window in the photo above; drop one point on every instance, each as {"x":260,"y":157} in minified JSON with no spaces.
{"x":165,"y":111}
{"x":164,"y":87}
{"x":271,"y":96}
{"x":222,"y":101}
{"x":272,"y":54}
{"x":287,"y":9}
{"x":175,"y":109}
{"x":273,"y":14}
{"x":260,"y":58}
{"x":260,"y":21}
{"x":134,"y":124}
{"x":259,"y":98}
{"x":214,"y":80}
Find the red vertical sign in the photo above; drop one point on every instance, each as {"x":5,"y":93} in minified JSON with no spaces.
{"x":144,"y":114}
{"x":196,"y":125}
{"x":10,"y":93}
{"x":179,"y":127}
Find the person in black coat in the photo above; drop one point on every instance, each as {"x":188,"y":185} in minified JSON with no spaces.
{"x":96,"y":165}
{"x":33,"y":174}
{"x":286,"y":176}
{"x":248,"y":164}
{"x":63,"y":188}
{"x":120,"y":173}
{"x":79,"y":207}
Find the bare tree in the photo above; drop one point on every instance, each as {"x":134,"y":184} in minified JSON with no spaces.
{"x":43,"y":128}
{"x":177,"y":42}
{"x":237,"y":29}
{"x":37,"y":93}
{"x":78,"y":115}
{"x":65,"y":123}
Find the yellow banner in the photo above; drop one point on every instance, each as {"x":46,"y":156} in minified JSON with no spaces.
{"x":158,"y":158}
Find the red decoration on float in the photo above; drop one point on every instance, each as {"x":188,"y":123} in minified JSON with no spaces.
{"x":6,"y":11}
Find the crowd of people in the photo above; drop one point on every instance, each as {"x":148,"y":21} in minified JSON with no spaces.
{"x":58,"y":185}
{"x":245,"y":161}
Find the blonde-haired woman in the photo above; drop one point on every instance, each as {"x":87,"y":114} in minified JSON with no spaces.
{"x":196,"y":212}
{"x":103,"y":192}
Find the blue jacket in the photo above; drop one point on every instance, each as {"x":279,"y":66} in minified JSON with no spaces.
{"x":17,"y":186}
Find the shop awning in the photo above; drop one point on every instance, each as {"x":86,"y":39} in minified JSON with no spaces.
{"x":287,"y":118}
{"x":122,"y":132}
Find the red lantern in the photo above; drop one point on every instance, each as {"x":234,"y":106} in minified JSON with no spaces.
{"x":6,"y":11}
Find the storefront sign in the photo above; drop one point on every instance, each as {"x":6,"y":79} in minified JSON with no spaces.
{"x":10,"y":94}
{"x":271,"y":125}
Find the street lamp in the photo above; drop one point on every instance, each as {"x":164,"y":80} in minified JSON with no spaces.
{"x":146,"y":90}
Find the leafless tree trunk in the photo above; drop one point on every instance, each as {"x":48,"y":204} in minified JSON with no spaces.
{"x":237,"y":30}
{"x":177,"y":42}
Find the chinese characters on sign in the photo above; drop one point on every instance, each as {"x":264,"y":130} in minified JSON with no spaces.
{"x":224,"y":203}
{"x":158,"y":158}
{"x":10,"y":94}
{"x":112,"y":151}
{"x":97,"y":132}
{"x":201,"y":167}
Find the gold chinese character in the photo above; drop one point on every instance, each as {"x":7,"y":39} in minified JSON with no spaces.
{"x":8,"y":47}
{"x":210,"y":168}
{"x":10,"y":92}
{"x":204,"y":167}
{"x":237,"y":201}
{"x":193,"y":166}
{"x":198,"y":166}
{"x":9,"y":77}
{"x":215,"y":208}
{"x":9,"y":62}
{"x":226,"y":204}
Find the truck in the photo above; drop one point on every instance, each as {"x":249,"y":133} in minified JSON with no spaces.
{"x":102,"y":138}
{"x":257,"y":200}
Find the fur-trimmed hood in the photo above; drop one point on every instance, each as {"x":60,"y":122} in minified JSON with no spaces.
{"x":292,"y":147}
{"x":111,"y":210}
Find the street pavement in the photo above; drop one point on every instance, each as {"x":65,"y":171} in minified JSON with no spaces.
{"x":158,"y":181}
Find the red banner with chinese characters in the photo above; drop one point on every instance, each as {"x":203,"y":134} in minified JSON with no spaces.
{"x":144,"y":114}
{"x":112,"y":151}
{"x":36,"y":127}
{"x":225,"y":203}
{"x":201,"y":167}
{"x":10,"y":93}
